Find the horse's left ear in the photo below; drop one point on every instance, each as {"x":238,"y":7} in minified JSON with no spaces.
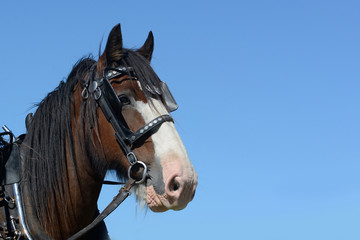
{"x":113,"y":49}
{"x":147,"y":49}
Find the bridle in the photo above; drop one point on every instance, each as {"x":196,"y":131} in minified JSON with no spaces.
{"x":111,"y":107}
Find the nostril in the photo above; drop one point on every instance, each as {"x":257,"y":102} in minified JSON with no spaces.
{"x":174,"y":185}
{"x":179,"y":190}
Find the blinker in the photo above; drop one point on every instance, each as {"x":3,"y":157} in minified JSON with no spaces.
{"x":168,"y":98}
{"x":110,"y":73}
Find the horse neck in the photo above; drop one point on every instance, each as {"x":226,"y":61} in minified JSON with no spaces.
{"x":83,"y":190}
{"x":81,"y":185}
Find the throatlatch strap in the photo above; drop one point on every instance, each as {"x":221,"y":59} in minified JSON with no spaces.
{"x":122,"y":195}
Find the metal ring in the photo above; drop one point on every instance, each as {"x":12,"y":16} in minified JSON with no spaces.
{"x":143,"y":175}
{"x":85,"y":93}
{"x":97,"y":93}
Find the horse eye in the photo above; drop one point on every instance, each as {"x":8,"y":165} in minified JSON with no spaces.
{"x":124,"y":100}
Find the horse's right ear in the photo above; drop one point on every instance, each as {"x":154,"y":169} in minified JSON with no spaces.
{"x":113,"y":49}
{"x":147,"y":49}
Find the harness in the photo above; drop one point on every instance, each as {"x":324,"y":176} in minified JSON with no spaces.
{"x":14,"y":226}
{"x":111,"y":107}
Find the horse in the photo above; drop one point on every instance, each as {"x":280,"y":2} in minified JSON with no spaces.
{"x":112,"y":114}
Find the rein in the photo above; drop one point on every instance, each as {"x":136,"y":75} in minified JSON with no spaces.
{"x":122,"y":195}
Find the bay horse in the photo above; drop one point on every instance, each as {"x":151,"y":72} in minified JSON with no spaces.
{"x":110,"y":114}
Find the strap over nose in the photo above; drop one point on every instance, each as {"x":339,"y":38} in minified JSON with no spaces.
{"x":149,"y":129}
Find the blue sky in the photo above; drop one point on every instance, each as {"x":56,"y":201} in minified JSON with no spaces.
{"x":269,"y":106}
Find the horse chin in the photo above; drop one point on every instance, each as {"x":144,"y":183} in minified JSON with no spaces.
{"x":146,"y":196}
{"x":153,"y":200}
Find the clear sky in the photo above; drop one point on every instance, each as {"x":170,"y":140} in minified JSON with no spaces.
{"x":269,"y":106}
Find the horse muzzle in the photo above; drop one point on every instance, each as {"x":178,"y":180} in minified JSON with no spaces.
{"x":179,"y":189}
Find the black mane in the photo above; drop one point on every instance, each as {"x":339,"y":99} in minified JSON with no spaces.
{"x":44,"y":148}
{"x":148,"y":79}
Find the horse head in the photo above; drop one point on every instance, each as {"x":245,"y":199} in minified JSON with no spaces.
{"x":170,"y":180}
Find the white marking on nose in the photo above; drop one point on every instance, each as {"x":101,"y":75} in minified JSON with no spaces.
{"x":167,"y":141}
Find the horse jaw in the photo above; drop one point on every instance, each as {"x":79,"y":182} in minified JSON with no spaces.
{"x":172,"y":179}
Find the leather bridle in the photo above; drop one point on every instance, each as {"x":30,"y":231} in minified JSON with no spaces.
{"x":111,"y":107}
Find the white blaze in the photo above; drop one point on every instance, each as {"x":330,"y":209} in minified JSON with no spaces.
{"x":170,"y":155}
{"x":166,"y":140}
{"x":169,"y":149}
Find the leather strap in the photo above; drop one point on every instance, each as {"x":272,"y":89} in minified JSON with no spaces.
{"x":112,"y":182}
{"x":150,"y":128}
{"x":122,"y":195}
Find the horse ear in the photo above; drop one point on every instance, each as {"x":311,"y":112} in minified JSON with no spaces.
{"x":147,"y":49}
{"x":113,"y":49}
